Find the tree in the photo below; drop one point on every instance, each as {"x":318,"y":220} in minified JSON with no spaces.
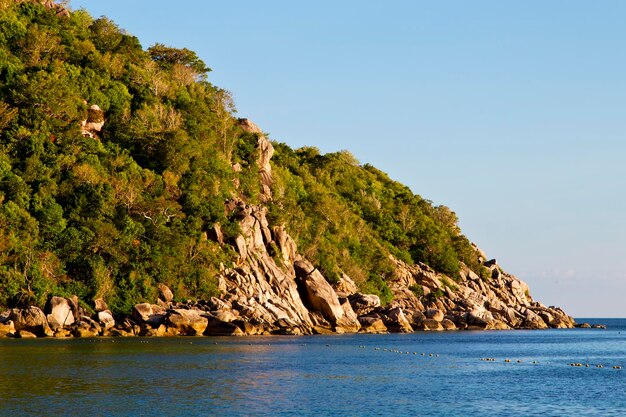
{"x":167,"y":57}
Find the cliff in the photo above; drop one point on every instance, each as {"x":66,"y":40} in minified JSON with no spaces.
{"x":134,"y":202}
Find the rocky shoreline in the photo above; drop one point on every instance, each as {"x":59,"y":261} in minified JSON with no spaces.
{"x":287,"y":295}
{"x":273,"y":289}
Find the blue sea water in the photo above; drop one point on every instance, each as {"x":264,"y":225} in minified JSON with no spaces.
{"x":338,"y":375}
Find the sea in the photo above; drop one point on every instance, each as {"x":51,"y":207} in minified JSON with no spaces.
{"x":464,"y":373}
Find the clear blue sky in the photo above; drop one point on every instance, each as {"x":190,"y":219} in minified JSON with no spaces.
{"x":513,"y":114}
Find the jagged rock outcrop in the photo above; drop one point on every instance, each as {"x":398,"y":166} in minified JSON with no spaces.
{"x":50,"y":4}
{"x":471,"y":302}
{"x":266,"y":150}
{"x":272,"y":289}
{"x":93,"y":124}
{"x":321,"y":297}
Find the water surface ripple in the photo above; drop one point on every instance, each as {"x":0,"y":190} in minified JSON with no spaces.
{"x":347,"y":375}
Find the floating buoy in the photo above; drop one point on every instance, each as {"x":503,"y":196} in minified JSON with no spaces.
{"x":507,"y":360}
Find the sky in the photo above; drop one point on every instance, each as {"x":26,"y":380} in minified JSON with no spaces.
{"x":513,"y":114}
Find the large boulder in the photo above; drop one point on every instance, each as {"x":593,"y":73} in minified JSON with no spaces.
{"x":92,"y":125}
{"x":106,"y":320}
{"x":100,"y":305}
{"x":84,"y":328}
{"x":25,"y":334}
{"x":479,"y":318}
{"x":533,"y":321}
{"x":372,"y":324}
{"x":349,"y":323}
{"x":7,"y":329}
{"x":431,"y":325}
{"x":435,"y":314}
{"x":148,"y":314}
{"x":187,"y":322}
{"x":60,"y":313}
{"x":322,"y":298}
{"x":32,"y":320}
{"x":345,"y":286}
{"x":363,"y":304}
{"x":397,"y":321}
{"x":165,"y":293}
{"x":448,"y":324}
{"x":217,"y":327}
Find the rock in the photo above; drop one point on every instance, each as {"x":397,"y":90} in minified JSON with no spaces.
{"x":584,"y":326}
{"x":414,"y":317}
{"x":448,"y":324}
{"x":533,"y":321}
{"x":216,"y":304}
{"x":479,"y":317}
{"x":216,"y":233}
{"x":350,"y":322}
{"x":187,"y":322}
{"x":431,"y":325}
{"x":498,"y":325}
{"x":119,"y":333}
{"x":7,"y":329}
{"x":149,"y":314}
{"x":363,"y":304}
{"x":266,"y":150}
{"x":60,"y":313}
{"x":249,"y":328}
{"x":345,"y":286}
{"x":224,"y":315}
{"x":73,"y":300}
{"x":84,"y":329}
{"x":491,"y":262}
{"x":91,"y":323}
{"x":32,"y":320}
{"x":24,"y":334}
{"x":100,"y":305}
{"x":62,"y":333}
{"x":372,"y":324}
{"x":434,"y":314}
{"x":248,"y":126}
{"x":397,"y":322}
{"x":165,"y":293}
{"x":286,"y":244}
{"x":91,"y":126}
{"x":216,"y":327}
{"x":321,"y":297}
{"x":106,"y":320}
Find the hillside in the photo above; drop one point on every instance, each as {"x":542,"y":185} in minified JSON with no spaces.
{"x":125,"y":177}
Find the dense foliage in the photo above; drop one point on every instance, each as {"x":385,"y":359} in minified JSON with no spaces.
{"x":114,"y":215}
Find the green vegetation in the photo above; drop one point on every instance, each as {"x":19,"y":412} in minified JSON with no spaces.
{"x":417,"y":290}
{"x":112,"y":216}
